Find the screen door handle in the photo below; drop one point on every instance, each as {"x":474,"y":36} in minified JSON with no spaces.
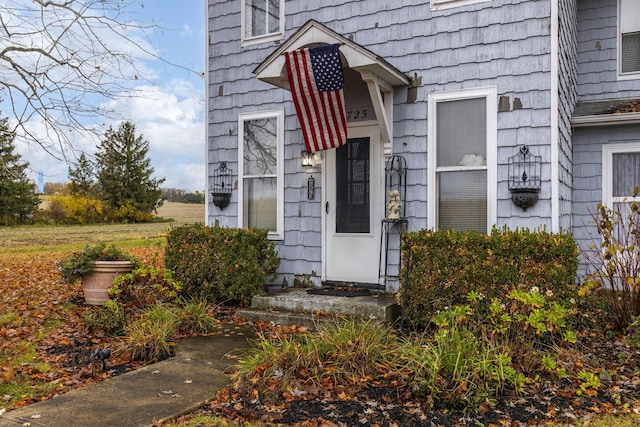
{"x":326,"y":207}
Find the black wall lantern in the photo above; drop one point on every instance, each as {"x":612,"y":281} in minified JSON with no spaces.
{"x":524,"y":178}
{"x":222,"y":186}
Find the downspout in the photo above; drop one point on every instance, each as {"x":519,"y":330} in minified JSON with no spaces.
{"x":554,"y":110}
{"x":206,"y":113}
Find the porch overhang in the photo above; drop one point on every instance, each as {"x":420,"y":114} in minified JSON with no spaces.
{"x":608,"y":112}
{"x":380,"y":76}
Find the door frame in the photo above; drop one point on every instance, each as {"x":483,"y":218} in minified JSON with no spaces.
{"x":357,"y":130}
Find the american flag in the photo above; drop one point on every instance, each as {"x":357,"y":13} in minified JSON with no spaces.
{"x":317,"y":82}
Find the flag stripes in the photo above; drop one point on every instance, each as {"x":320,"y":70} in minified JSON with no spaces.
{"x":316,"y":81}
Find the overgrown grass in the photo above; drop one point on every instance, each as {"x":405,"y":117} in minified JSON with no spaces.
{"x":350,"y":352}
{"x":149,"y":338}
{"x":195,"y":317}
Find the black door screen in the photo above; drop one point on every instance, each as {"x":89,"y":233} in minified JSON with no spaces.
{"x":352,"y":187}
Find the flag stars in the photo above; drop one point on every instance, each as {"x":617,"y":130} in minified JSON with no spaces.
{"x":327,"y":67}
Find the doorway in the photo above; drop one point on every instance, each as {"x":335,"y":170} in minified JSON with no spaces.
{"x":354,"y":208}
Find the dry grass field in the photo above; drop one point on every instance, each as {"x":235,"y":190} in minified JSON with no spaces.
{"x":36,"y":239}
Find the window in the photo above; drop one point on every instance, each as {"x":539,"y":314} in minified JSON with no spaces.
{"x":260,"y":187}
{"x":446,"y":4}
{"x":620,"y":174}
{"x":262,"y":20}
{"x":461,"y":159}
{"x":629,"y":37}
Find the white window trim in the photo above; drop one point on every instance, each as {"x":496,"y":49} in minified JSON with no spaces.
{"x":490,"y":95}
{"x":608,"y":150}
{"x":279,"y":115}
{"x":448,"y":4}
{"x":622,"y":76}
{"x":247,"y":41}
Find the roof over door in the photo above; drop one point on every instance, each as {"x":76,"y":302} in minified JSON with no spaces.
{"x":380,"y":76}
{"x":272,"y":69}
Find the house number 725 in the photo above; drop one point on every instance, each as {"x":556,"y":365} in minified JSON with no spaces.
{"x":356,"y":115}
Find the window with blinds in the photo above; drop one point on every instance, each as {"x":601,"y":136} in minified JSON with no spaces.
{"x":629,"y":36}
{"x":461,"y":167}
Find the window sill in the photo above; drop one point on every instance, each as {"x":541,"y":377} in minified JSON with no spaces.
{"x":261,"y":39}
{"x":449,"y":4}
{"x":629,"y":76}
{"x":275,"y":236}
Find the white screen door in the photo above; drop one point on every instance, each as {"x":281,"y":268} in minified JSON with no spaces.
{"x":354,"y":208}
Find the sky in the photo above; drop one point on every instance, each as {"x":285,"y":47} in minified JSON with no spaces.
{"x":169,"y":113}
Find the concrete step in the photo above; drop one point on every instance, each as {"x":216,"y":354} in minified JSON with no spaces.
{"x":296,"y":307}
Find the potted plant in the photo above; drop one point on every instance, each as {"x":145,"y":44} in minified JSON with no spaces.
{"x":96,"y":266}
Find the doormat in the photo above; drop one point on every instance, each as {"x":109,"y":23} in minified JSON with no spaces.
{"x":341,"y":291}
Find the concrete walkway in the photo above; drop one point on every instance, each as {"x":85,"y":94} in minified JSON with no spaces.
{"x":138,"y":398}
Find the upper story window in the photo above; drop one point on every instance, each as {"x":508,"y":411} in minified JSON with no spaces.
{"x":261,"y":176}
{"x":447,"y":4}
{"x":262,"y":20}
{"x":629,"y":38}
{"x":462,"y":160}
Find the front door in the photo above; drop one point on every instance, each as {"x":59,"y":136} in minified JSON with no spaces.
{"x":354,"y":208}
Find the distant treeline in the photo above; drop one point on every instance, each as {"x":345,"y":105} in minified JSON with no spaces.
{"x":168,"y":194}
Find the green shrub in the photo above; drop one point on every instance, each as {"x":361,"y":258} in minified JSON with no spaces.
{"x":221,"y":263}
{"x":144,"y":287}
{"x":195,"y":317}
{"x":440,"y":267}
{"x":109,"y":318}
{"x":523,"y":323}
{"x":150,"y":336}
{"x":456,"y":371}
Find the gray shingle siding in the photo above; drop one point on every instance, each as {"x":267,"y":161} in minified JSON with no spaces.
{"x":597,"y":52}
{"x":498,"y":43}
{"x":487,"y":44}
{"x":587,"y":180}
{"x":567,"y":74}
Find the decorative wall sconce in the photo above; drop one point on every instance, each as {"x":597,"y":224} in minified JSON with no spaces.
{"x":307,"y":159}
{"x":524,"y":178}
{"x":310,"y":161}
{"x":222,"y":186}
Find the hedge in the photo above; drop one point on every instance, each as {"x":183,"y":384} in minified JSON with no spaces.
{"x":441,"y":267}
{"x":221,"y":264}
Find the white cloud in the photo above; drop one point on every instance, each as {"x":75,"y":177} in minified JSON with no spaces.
{"x":169,"y":114}
{"x":171,"y":118}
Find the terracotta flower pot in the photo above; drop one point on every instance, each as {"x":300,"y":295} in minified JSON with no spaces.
{"x":96,"y":284}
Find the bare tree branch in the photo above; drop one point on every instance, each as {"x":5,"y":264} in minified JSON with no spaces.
{"x":61,"y":60}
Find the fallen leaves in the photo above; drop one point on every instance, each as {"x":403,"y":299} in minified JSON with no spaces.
{"x":43,"y":340}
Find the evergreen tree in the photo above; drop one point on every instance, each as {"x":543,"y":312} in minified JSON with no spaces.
{"x":124,"y":173}
{"x":18,"y":200}
{"x":82,"y":178}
